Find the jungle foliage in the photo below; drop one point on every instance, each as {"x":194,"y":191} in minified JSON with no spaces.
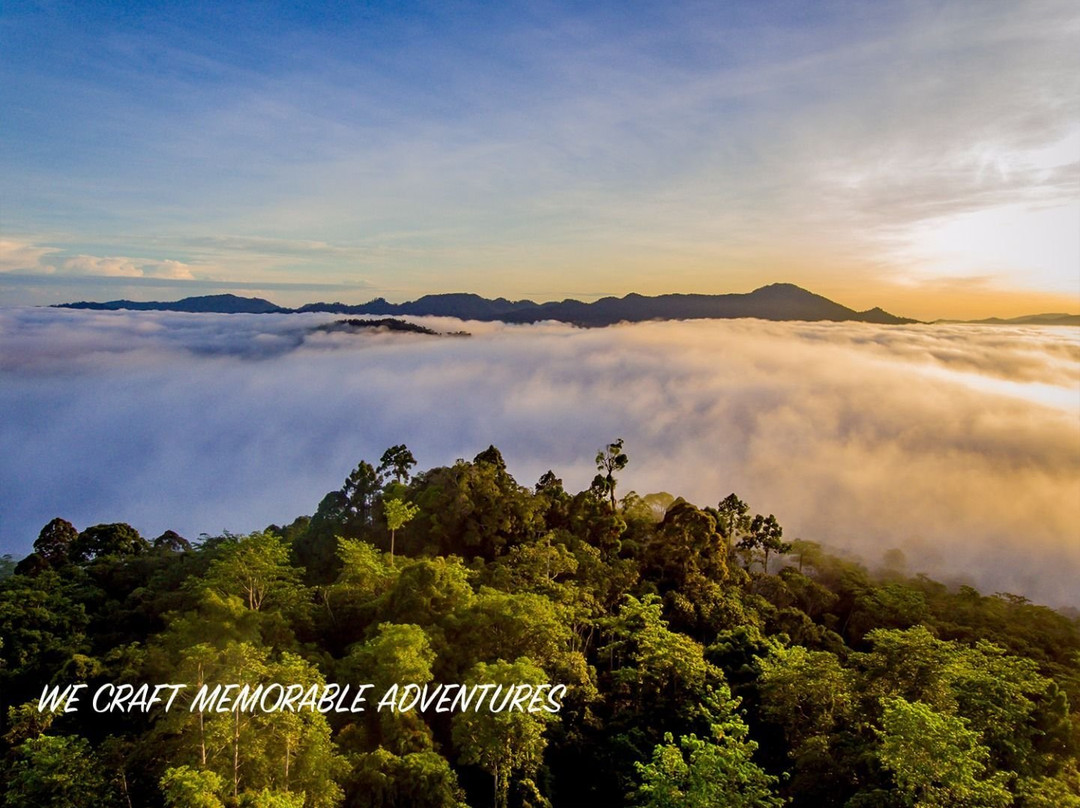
{"x":709,"y":660}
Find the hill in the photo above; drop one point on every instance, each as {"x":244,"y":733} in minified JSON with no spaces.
{"x":1032,"y":319}
{"x":575,"y":647}
{"x":218,"y":304}
{"x":778,"y":301}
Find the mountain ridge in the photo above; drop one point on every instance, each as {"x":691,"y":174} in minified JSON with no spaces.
{"x":1049,"y":318}
{"x":777,"y":301}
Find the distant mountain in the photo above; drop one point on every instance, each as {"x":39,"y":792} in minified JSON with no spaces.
{"x":216,"y":304}
{"x":1031,"y":319}
{"x":778,"y":301}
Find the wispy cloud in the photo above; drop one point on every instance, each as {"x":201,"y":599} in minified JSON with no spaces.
{"x":958,"y":444}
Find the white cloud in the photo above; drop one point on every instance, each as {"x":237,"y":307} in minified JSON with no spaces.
{"x":22,"y":256}
{"x":119,"y":267}
{"x":941,"y":440}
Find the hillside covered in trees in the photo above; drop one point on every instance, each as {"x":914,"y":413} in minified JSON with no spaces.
{"x":708,"y":659}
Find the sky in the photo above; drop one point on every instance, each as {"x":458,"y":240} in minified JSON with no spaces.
{"x":920,"y":156}
{"x":958,"y":445}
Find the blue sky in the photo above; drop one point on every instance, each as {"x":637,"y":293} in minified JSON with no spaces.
{"x":923,"y":156}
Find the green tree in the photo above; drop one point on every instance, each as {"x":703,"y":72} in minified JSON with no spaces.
{"x":251,"y":750}
{"x":112,"y":541}
{"x":256,"y":568}
{"x":500,"y":624}
{"x":805,"y":692}
{"x":707,"y":773}
{"x":397,"y":460}
{"x":397,"y":655}
{"x":54,"y":542}
{"x":57,"y":771}
{"x":171,"y":542}
{"x":508,"y":745}
{"x":766,"y":537}
{"x":398,"y":513}
{"x":733,"y":519}
{"x":685,"y":549}
{"x":428,"y":592}
{"x":42,"y":628}
{"x":381,"y":779}
{"x":185,"y":787}
{"x":475,"y":509}
{"x":609,"y":460}
{"x":269,"y":798}
{"x":353,"y":600}
{"x":936,"y":760}
{"x":361,"y":490}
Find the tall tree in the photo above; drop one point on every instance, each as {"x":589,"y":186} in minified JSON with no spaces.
{"x":397,"y":460}
{"x":398,"y":512}
{"x":734,"y":519}
{"x":765,"y":536}
{"x":609,"y":460}
{"x":256,"y":568}
{"x":362,"y":487}
{"x":508,"y":745}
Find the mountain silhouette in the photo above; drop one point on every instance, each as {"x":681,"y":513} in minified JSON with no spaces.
{"x":778,"y":301}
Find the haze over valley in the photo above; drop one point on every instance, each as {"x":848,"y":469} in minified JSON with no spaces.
{"x":957,"y":444}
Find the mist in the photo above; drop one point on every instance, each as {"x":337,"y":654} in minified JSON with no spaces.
{"x":959,"y":445}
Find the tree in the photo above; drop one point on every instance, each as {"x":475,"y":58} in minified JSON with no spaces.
{"x":398,"y":513}
{"x":550,"y":484}
{"x":492,"y":457}
{"x":660,"y":674}
{"x":57,"y":771}
{"x":172,"y":542}
{"x":397,"y":460}
{"x":509,"y":745}
{"x":55,"y":541}
{"x":475,"y":509}
{"x":685,"y":546}
{"x":399,"y":654}
{"x":252,"y":750}
{"x":734,"y":519}
{"x":707,"y":773}
{"x":112,"y":541}
{"x":381,"y":779}
{"x":361,"y":489}
{"x":608,"y":461}
{"x":510,"y":625}
{"x":427,"y":591}
{"x":365,"y":573}
{"x":256,"y":568}
{"x":43,"y":627}
{"x":765,"y":535}
{"x":185,"y":787}
{"x":936,"y":760}
{"x":805,"y":692}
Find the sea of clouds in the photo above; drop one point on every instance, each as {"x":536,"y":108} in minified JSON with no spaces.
{"x":958,"y":444}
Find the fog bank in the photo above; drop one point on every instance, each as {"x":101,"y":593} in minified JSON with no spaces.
{"x":958,"y":444}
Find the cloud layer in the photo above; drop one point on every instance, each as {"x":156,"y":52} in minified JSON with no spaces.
{"x":960,"y":444}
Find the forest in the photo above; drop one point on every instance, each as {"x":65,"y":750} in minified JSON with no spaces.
{"x":708,"y":659}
